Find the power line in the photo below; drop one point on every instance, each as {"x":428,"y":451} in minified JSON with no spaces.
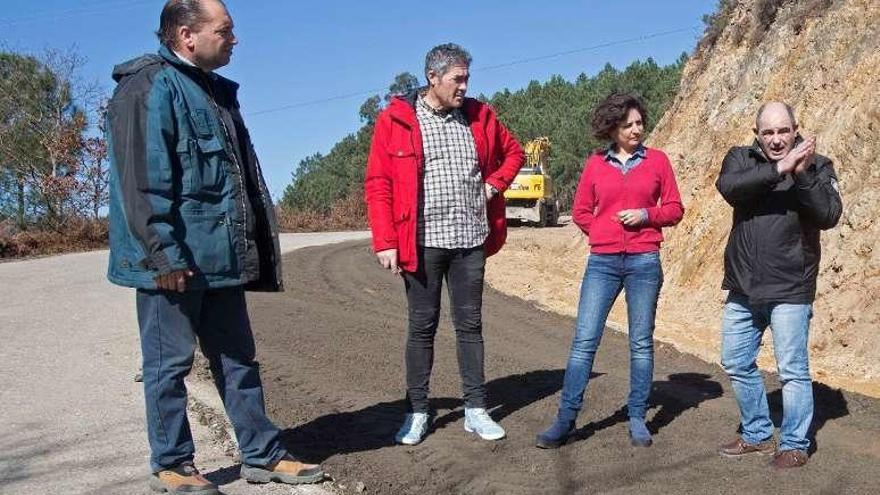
{"x":485,"y":68}
{"x":585,"y":49}
{"x":314,"y":102}
{"x":95,"y":8}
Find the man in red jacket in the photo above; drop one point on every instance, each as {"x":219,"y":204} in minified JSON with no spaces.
{"x":437,"y":167}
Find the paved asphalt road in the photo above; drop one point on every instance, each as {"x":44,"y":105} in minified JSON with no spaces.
{"x":71,"y":415}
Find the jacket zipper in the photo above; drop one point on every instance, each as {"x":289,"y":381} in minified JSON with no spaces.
{"x":238,"y":166}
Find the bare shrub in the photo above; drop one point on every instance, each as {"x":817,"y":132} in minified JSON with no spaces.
{"x":348,"y":213}
{"x":715,"y":24}
{"x":804,"y":10}
{"x":80,"y":234}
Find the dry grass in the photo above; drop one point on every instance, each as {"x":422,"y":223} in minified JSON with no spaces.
{"x":77,"y":235}
{"x":349,"y":213}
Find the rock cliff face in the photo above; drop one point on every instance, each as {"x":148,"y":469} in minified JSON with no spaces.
{"x":823,"y":58}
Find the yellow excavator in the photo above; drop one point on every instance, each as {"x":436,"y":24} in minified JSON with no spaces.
{"x":532,"y":197}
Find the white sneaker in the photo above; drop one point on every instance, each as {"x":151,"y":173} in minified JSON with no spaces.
{"x":477,"y":420}
{"x":415,"y":425}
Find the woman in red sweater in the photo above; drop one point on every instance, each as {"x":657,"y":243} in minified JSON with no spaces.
{"x":626,"y":194}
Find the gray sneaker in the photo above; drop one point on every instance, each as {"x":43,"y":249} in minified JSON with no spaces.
{"x":415,"y":425}
{"x":477,"y":420}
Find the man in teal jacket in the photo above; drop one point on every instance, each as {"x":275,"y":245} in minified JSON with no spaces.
{"x":192,"y":227}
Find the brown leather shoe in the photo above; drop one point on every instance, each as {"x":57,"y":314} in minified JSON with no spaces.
{"x":740,"y":447}
{"x":287,"y":470}
{"x":182,"y":479}
{"x":785,"y":459}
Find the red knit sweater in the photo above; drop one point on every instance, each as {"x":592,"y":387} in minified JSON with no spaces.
{"x":604,"y":190}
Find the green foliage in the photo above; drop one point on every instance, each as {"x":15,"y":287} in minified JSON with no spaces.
{"x":320,"y":180}
{"x":370,"y":109}
{"x":403,"y":84}
{"x":42,"y":145}
{"x":557,"y":108}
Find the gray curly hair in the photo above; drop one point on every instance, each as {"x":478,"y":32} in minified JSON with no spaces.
{"x":444,"y":56}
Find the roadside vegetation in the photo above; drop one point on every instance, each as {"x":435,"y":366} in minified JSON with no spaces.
{"x":53,"y":158}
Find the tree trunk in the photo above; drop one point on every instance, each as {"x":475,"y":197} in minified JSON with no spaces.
{"x":19,"y":182}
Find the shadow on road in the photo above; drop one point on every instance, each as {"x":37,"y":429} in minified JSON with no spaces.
{"x":224,"y":476}
{"x":374,"y":427}
{"x":681,"y":392}
{"x":829,"y":403}
{"x":671,"y":398}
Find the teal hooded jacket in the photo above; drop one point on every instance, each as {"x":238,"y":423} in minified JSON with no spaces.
{"x":186,"y":190}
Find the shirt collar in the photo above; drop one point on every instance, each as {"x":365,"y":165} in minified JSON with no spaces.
{"x":640,"y":152}
{"x":183,"y":59}
{"x":439,"y":113}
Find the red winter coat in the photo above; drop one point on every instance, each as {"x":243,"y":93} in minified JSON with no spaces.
{"x":604,"y":190}
{"x":394,"y":175}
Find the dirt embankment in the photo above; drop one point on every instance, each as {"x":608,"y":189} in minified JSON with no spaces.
{"x":823,"y":57}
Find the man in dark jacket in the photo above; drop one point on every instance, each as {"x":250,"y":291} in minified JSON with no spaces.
{"x":191,"y":227}
{"x":437,"y":167}
{"x":783,"y":194}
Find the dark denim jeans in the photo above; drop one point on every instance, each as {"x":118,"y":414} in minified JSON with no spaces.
{"x":169,"y":324}
{"x":463,"y":270}
{"x":742,"y":329}
{"x":641,"y":276}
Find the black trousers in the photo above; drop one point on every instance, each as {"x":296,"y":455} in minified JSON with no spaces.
{"x":463,"y":270}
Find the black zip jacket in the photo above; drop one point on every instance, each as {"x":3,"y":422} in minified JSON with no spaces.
{"x":773,"y":251}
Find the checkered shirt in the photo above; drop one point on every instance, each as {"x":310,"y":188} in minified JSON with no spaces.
{"x":452,"y":207}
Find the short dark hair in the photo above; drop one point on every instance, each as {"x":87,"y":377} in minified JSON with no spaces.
{"x":612,"y":111}
{"x":178,"y":13}
{"x":444,"y":56}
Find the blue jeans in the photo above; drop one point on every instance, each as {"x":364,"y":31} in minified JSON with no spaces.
{"x":169,"y":324}
{"x":641,"y":276}
{"x":742,"y":328}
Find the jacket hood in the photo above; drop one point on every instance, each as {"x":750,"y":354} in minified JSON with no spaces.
{"x":405,"y":103}
{"x":135,"y":65}
{"x":138,"y":64}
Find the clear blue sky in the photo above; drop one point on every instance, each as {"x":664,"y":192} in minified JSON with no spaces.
{"x":291,"y":52}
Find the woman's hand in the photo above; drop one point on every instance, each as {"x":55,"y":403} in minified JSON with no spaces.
{"x":632,"y":218}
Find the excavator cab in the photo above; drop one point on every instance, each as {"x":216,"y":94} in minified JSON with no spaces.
{"x":531,"y":197}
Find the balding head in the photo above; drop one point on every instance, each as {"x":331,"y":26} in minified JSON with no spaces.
{"x":776,"y":108}
{"x":776,"y":128}
{"x":199,"y":31}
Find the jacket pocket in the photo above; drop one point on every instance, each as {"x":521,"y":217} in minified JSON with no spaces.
{"x":201,"y":119}
{"x":402,"y":158}
{"x":204,"y":161}
{"x":208,"y":237}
